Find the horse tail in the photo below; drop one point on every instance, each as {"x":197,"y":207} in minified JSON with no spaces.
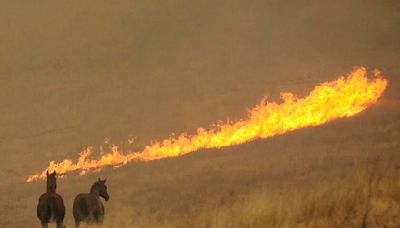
{"x":52,"y":208}
{"x":56,"y":208}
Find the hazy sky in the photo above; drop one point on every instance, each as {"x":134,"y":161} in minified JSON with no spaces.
{"x":74,"y":72}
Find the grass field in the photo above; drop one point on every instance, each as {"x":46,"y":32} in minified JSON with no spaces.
{"x":74,"y":72}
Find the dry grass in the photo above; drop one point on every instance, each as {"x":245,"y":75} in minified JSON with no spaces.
{"x":369,"y":198}
{"x":325,"y":205}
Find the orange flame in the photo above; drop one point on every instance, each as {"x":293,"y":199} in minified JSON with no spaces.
{"x":344,"y":97}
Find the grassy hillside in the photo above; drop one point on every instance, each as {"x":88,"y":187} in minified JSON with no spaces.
{"x":74,"y":72}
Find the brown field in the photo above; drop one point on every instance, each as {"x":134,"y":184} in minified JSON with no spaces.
{"x":75,"y":72}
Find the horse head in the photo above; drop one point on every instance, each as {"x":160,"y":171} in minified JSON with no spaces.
{"x":51,"y":181}
{"x":103,"y":189}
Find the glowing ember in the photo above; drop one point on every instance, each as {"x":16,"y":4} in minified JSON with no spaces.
{"x":344,"y":97}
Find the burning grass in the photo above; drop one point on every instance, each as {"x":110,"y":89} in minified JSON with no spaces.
{"x":344,"y":97}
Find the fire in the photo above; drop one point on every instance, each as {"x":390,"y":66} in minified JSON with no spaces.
{"x":345,"y":97}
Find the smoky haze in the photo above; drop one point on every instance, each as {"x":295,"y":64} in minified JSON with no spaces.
{"x":75,"y":72}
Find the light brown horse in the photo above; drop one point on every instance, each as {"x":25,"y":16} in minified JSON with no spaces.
{"x":51,"y":205}
{"x":88,"y":206}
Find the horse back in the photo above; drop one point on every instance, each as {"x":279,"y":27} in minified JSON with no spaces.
{"x":87,"y":208}
{"x":50,"y":207}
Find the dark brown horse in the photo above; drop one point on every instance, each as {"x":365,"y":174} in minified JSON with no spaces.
{"x":88,"y":206}
{"x":51,"y":205}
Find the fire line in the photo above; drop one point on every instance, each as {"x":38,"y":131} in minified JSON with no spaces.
{"x":344,"y":97}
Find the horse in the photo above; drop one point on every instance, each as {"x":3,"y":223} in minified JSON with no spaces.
{"x":51,"y":207}
{"x":88,"y":206}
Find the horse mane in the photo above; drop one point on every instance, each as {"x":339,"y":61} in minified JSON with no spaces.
{"x":51,"y":187}
{"x":95,"y":188}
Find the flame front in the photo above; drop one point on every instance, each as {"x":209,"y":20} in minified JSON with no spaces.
{"x":344,"y":97}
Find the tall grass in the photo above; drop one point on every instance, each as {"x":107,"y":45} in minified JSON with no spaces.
{"x":369,"y":198}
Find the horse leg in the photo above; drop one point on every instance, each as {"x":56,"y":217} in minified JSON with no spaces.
{"x":100,"y":220}
{"x":60,"y":224}
{"x":98,"y":217}
{"x":77,"y":222}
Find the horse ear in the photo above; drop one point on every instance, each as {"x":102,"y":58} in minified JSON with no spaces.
{"x":99,"y":180}
{"x":54,"y":173}
{"x":104,"y":181}
{"x":47,"y":172}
